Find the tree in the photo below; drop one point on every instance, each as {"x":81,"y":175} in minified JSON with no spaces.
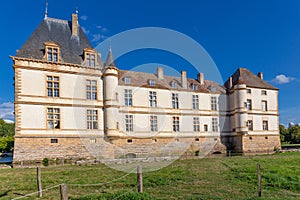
{"x":6,"y":129}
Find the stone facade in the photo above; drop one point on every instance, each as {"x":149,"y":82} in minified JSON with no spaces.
{"x":70,"y":104}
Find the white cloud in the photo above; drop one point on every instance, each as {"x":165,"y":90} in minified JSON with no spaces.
{"x":7,"y":111}
{"x":84,"y":17}
{"x":86,"y":31}
{"x":98,"y":37}
{"x":9,"y":121}
{"x":281,"y":79}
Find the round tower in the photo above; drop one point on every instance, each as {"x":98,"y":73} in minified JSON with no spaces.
{"x":110,"y":84}
{"x":241,"y":114}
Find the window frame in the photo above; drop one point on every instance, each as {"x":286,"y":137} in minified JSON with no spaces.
{"x":175,"y":101}
{"x":250,"y":125}
{"x":153,"y":99}
{"x":92,"y":119}
{"x":265,"y":125}
{"x":127,"y":80}
{"x":129,"y":123}
{"x":195,"y":102}
{"x":53,"y":119}
{"x":151,"y":82}
{"x":52,"y":51}
{"x":52,"y":90}
{"x":153,"y":123}
{"x":91,"y":88}
{"x":249,"y":104}
{"x":196,"y":124}
{"x":264,"y":106}
{"x":128,"y":97}
{"x":264,"y":92}
{"x":213,"y":103}
{"x":176,"y":126}
{"x":214,"y":124}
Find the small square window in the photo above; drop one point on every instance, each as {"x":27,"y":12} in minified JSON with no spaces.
{"x":54,"y":140}
{"x":248,"y":91}
{"x":263,"y":92}
{"x":195,"y":87}
{"x":151,"y":82}
{"x":173,"y":84}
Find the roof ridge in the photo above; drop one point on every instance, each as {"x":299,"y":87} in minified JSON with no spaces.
{"x":57,"y":20}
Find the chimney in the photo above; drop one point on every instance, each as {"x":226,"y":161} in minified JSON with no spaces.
{"x":160,"y":73}
{"x":260,"y":75}
{"x":183,"y":79}
{"x":230,"y":82}
{"x":75,"y":25}
{"x":201,"y":78}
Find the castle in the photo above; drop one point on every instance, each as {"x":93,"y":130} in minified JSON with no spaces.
{"x":70,"y":104}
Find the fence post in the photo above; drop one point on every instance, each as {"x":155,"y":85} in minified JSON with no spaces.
{"x":140,"y":178}
{"x":63,"y":192}
{"x":259,"y":179}
{"x":39,"y":180}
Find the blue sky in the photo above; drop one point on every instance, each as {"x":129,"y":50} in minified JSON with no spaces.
{"x":261,"y":35}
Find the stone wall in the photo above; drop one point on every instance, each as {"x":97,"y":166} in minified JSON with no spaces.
{"x":261,"y":143}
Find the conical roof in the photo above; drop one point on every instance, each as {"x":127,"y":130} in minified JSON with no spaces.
{"x":110,"y":59}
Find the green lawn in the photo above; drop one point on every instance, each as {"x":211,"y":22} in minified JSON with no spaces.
{"x":208,"y":178}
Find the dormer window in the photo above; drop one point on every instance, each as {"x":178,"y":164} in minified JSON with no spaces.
{"x":151,"y":82}
{"x":194,"y":87}
{"x":127,"y":80}
{"x":52,"y":51}
{"x":174,"y":84}
{"x":90,"y":60}
{"x":90,"y":57}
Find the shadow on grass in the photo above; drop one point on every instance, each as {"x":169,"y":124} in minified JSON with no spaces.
{"x":4,"y":193}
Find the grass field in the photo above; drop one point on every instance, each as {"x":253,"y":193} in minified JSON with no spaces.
{"x":208,"y":178}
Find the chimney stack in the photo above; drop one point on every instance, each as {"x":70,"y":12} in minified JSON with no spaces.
{"x":201,"y":78}
{"x":230,"y":82}
{"x":160,"y":73}
{"x":260,"y":75}
{"x":183,"y":79}
{"x":75,"y":25}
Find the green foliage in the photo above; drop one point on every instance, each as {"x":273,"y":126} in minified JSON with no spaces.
{"x":6,"y":143}
{"x":6,"y":129}
{"x":45,"y":161}
{"x":290,"y":135}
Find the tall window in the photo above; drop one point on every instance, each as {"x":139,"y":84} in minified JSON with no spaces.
{"x":250,"y":125}
{"x":53,"y":118}
{"x":205,"y":127}
{"x":174,"y":84}
{"x":195,"y":102}
{"x":213,"y":102}
{"x":249,"y":104}
{"x":264,"y":106}
{"x":53,"y":86}
{"x":215,"y":124}
{"x":52,"y":54}
{"x":152,"y":99}
{"x":153,"y":123}
{"x":265,"y":125}
{"x":92,"y":119}
{"x":129,"y":123}
{"x":128,"y":97}
{"x":90,"y":59}
{"x":176,"y":124}
{"x":91,"y":89}
{"x":196,"y":124}
{"x":175,"y":103}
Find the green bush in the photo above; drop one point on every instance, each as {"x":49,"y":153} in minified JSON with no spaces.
{"x":46,"y":161}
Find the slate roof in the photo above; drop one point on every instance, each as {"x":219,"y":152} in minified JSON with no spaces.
{"x":141,"y":79}
{"x":110,"y":59}
{"x":244,"y":76}
{"x":59,"y":31}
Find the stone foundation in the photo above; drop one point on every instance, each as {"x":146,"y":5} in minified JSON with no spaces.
{"x":261,"y":143}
